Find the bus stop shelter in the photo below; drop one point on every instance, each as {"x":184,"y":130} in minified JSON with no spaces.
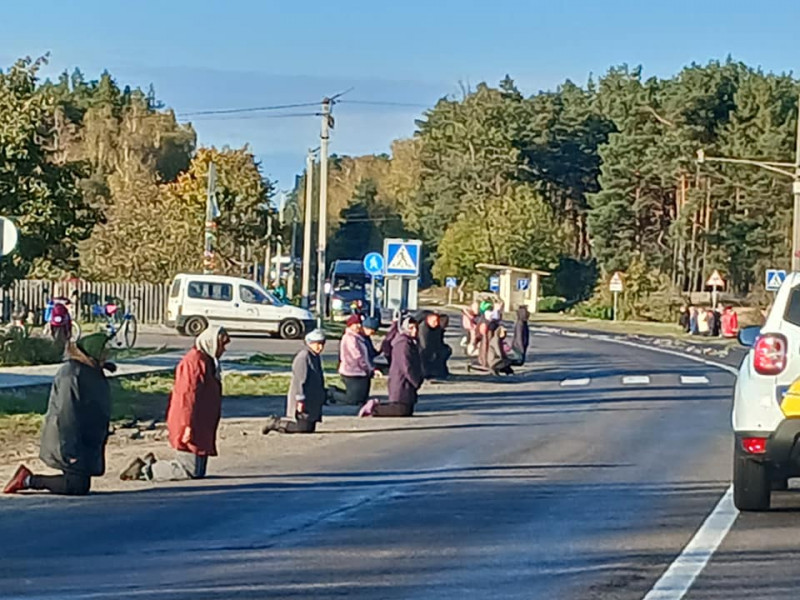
{"x":518,"y":286}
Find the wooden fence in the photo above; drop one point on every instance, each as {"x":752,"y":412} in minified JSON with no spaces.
{"x":146,"y":301}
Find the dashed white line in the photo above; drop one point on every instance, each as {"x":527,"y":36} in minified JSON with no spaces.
{"x":636,"y":380}
{"x":682,"y":573}
{"x":694,"y":380}
{"x":576,"y":382}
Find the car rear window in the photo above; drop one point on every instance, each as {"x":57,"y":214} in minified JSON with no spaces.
{"x":792,"y":312}
{"x":206,"y":290}
{"x":176,"y":289}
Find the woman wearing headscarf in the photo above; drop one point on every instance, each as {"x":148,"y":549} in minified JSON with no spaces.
{"x":405,"y":376}
{"x":522,"y":335}
{"x":355,"y":366}
{"x":306,"y":391}
{"x":498,"y":360}
{"x":431,"y":345}
{"x":193,"y":413}
{"x":75,"y":427}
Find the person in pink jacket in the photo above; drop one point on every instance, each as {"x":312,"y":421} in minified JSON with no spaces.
{"x":355,"y":365}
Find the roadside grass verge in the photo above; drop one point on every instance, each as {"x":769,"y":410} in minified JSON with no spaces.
{"x":282,"y":361}
{"x":626,"y":328}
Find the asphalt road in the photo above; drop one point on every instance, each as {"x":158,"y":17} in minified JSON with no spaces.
{"x":583,"y":479}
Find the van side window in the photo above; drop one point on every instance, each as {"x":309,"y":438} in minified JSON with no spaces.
{"x":792,"y":313}
{"x":206,"y":290}
{"x":176,"y":289}
{"x":251,"y":295}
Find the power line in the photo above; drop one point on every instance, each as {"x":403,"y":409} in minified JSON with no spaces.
{"x":227,"y":111}
{"x":246,"y":117}
{"x":385,"y":103}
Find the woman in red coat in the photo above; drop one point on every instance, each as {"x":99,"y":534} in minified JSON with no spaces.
{"x":193,"y":413}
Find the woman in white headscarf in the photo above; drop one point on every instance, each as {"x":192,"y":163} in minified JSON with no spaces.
{"x":306,"y":391}
{"x":193,"y":413}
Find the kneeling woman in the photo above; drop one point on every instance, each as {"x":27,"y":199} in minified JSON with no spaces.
{"x":405,"y":376}
{"x":306,"y":391}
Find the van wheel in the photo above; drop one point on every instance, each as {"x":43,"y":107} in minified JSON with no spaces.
{"x":751,"y":484}
{"x":291,"y":329}
{"x":195,"y":326}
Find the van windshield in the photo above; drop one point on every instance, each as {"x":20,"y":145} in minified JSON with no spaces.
{"x":349,"y":283}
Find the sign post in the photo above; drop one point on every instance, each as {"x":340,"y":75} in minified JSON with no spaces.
{"x":616,"y":286}
{"x":373,"y":264}
{"x":451,"y":283}
{"x":402,"y":259}
{"x":715,"y":282}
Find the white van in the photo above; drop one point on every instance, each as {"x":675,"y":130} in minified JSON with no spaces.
{"x":237,"y":304}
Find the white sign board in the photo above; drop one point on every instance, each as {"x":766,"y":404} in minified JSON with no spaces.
{"x":616,"y":285}
{"x":716,"y":280}
{"x":8,"y":236}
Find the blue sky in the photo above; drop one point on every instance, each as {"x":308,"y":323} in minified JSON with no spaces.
{"x":240,"y":53}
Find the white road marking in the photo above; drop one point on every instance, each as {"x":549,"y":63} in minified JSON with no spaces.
{"x":576,"y":382}
{"x":693,"y":379}
{"x":682,"y":573}
{"x":636,"y":380}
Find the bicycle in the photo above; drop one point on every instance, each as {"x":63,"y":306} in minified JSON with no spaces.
{"x":119,"y":321}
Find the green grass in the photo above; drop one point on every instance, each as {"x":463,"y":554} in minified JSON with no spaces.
{"x":272,"y":360}
{"x":133,"y":353}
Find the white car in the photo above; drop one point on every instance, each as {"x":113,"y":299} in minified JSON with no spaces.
{"x":238,"y":305}
{"x":766,"y":424}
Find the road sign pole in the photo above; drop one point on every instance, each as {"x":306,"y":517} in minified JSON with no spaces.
{"x":713,"y":297}
{"x":372,"y":293}
{"x":616,"y":304}
{"x":449,"y":295}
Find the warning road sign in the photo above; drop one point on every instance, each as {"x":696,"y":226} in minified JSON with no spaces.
{"x":716,"y":280}
{"x":616,"y":285}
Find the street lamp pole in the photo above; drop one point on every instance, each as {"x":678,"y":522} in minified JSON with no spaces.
{"x":782,"y":168}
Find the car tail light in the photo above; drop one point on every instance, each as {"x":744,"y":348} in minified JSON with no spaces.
{"x":769,"y":356}
{"x":754,"y":445}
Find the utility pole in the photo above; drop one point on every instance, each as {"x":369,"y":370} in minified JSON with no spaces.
{"x":268,"y":250}
{"x":796,"y":191}
{"x":305,"y":290}
{"x":212,"y":212}
{"x":279,"y":241}
{"x":327,"y":122}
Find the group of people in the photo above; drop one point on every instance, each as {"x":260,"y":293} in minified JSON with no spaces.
{"x":709,"y":322}
{"x":485,"y":337}
{"x":76,"y":426}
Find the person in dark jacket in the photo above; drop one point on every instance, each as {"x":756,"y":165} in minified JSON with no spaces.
{"x":405,"y":376}
{"x":522,"y":336}
{"x":75,"y":427}
{"x":498,"y":360}
{"x":432,"y":349}
{"x":194,"y":410}
{"x":683,"y":319}
{"x":306,"y":391}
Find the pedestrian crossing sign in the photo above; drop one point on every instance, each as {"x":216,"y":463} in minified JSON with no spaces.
{"x":402,"y":257}
{"x":774,"y":279}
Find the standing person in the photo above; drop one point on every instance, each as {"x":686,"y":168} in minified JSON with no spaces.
{"x":693,"y":330}
{"x":75,"y":428}
{"x":355,"y":366}
{"x":522,"y":335}
{"x":405,"y":376}
{"x":193,"y":413}
{"x":431,"y":346}
{"x":714,"y":323}
{"x":306,"y":391}
{"x":683,"y":319}
{"x":729,"y":323}
{"x":702,"y":322}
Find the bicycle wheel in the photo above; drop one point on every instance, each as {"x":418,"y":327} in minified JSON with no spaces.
{"x":129,"y":331}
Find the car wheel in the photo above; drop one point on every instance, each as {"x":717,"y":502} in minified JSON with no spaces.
{"x":751,"y":484}
{"x":195,"y":326}
{"x":291,"y":329}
